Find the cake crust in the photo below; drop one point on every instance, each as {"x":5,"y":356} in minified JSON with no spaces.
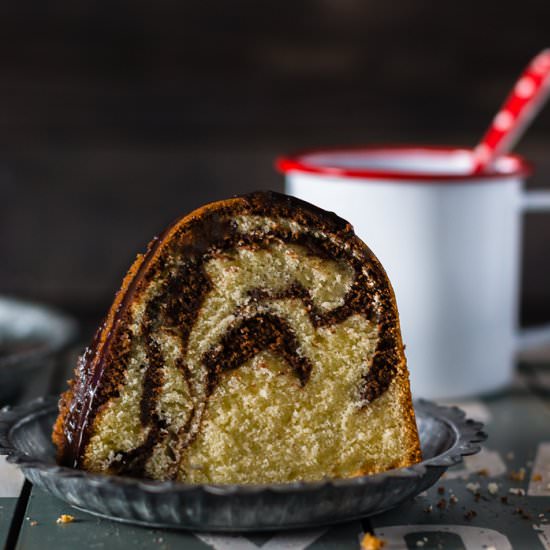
{"x":100,"y":373}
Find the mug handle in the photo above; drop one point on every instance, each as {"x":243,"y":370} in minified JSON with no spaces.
{"x":529,"y":338}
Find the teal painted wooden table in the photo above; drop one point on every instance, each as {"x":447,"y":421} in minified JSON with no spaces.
{"x":498,"y":499}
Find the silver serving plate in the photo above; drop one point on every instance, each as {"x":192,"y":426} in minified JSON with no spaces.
{"x":25,"y":435}
{"x":30,"y":337}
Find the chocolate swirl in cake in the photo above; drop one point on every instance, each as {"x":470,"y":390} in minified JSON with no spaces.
{"x":182,"y":292}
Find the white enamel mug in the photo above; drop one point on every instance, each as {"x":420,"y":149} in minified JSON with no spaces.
{"x":450,"y":243}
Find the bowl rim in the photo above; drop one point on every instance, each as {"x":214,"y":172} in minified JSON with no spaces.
{"x":300,"y":162}
{"x":67,"y":330}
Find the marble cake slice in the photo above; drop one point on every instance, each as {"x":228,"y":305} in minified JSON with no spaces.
{"x":256,"y":341}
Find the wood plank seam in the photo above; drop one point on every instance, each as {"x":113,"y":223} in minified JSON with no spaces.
{"x":18,"y":516}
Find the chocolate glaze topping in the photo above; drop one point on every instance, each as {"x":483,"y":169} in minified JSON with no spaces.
{"x":184,"y":286}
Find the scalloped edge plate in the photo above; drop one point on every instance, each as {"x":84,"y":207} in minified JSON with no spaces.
{"x":25,"y":438}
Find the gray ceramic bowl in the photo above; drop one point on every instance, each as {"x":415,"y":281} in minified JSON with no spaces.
{"x":445,"y":434}
{"x":30,"y":336}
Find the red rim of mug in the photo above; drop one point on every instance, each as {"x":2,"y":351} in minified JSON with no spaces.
{"x":297,"y":162}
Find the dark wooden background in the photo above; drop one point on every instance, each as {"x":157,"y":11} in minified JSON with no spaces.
{"x":116,"y":117}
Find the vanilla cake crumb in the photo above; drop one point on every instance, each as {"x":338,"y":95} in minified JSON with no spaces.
{"x":517,"y":491}
{"x":65,"y":518}
{"x":370,"y":542}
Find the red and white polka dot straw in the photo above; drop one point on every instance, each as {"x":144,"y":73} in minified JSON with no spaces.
{"x":524,"y":102}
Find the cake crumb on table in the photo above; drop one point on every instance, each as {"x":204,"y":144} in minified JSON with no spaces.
{"x":523,"y":514}
{"x":473,"y":487}
{"x":492,"y":488}
{"x":536,"y":477}
{"x":370,"y":542}
{"x":518,"y":491}
{"x":518,"y":476}
{"x":65,"y":518}
{"x":33,"y":523}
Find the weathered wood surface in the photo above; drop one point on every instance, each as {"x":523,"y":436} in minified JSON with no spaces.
{"x":516,"y":457}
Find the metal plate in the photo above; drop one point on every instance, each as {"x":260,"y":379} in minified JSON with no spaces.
{"x":30,"y":336}
{"x":25,"y":435}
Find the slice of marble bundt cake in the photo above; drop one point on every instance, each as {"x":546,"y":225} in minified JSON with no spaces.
{"x":256,"y":341}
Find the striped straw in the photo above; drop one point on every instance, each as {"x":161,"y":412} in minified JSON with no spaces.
{"x":521,"y":106}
